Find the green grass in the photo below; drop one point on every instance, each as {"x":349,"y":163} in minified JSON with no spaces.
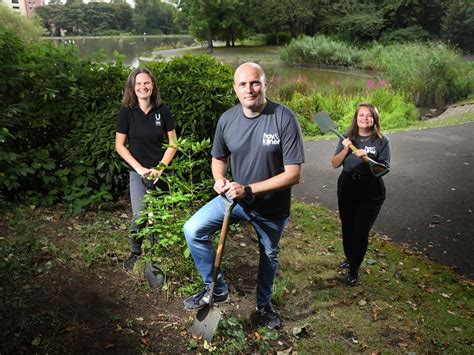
{"x":447,"y":121}
{"x":404,"y":304}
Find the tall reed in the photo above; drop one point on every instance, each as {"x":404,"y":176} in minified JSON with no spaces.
{"x":320,"y":50}
{"x":432,"y":74}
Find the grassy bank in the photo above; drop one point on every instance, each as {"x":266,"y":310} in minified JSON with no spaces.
{"x":433,"y":74}
{"x":63,"y":290}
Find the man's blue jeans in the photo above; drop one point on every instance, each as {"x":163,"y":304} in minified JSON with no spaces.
{"x":202,"y":225}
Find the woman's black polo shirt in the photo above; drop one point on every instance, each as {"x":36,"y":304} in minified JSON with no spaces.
{"x":146,"y":133}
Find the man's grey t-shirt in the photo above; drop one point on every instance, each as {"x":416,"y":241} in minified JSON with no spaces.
{"x":259,"y":149}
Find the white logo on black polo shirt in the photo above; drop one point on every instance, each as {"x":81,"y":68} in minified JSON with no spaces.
{"x":157,"y":119}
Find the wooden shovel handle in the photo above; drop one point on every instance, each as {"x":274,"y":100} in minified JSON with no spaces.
{"x":222,"y":238}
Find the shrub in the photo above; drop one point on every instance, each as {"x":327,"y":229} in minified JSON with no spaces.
{"x":320,"y":50}
{"x":404,"y":35}
{"x":277,"y":38}
{"x":198,"y":90}
{"x":166,"y":212}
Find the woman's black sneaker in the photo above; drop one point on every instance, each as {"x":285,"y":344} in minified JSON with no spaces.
{"x":351,"y":279}
{"x":269,"y":316}
{"x":345,"y":264}
{"x":129,"y":263}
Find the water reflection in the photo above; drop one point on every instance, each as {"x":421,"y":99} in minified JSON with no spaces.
{"x":320,"y":79}
{"x":131,"y":47}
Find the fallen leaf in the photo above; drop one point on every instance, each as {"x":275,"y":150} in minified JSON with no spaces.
{"x":109,"y":346}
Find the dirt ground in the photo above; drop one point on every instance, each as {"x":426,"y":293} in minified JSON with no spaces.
{"x":107,"y":310}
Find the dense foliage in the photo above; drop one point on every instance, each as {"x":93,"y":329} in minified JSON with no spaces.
{"x":166,"y":212}
{"x":57,"y":131}
{"x":397,"y":109}
{"x":433,"y":74}
{"x":100,"y":18}
{"x":320,"y":50}
{"x":350,"y":20}
{"x":198,"y":90}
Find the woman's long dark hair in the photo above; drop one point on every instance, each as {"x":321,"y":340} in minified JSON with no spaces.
{"x":130,"y":99}
{"x":353,"y":132}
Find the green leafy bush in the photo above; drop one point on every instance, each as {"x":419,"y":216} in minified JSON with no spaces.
{"x":166,"y":212}
{"x":198,"y":90}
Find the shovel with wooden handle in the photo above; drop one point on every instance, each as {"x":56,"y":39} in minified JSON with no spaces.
{"x":207,"y":318}
{"x":327,"y":125}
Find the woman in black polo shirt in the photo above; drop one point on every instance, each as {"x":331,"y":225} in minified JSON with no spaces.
{"x":360,"y":194}
{"x":146,"y":123}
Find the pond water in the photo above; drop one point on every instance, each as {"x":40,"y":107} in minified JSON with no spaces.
{"x":131,"y":47}
{"x":278,"y":74}
{"x":322,"y":80}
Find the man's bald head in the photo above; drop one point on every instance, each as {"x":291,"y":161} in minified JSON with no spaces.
{"x":251,"y":65}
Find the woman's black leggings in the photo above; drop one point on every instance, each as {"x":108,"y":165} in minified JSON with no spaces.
{"x":360,"y":198}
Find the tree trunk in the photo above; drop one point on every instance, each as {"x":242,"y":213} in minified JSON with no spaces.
{"x":210,"y":48}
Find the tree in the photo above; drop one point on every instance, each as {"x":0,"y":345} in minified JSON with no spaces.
{"x":28,"y":29}
{"x":152,"y":16}
{"x":73,"y":18}
{"x":203,"y":17}
{"x":99,"y":16}
{"x":123,"y":16}
{"x":458,"y":25}
{"x":352,"y":20}
{"x":49,"y":15}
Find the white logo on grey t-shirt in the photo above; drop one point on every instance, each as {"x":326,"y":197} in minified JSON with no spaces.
{"x":271,"y":139}
{"x":371,"y":150}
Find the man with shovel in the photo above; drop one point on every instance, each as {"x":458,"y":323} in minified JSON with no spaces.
{"x":263,"y":140}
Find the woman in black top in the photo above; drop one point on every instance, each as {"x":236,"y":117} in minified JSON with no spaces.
{"x":360,"y":194}
{"x":146,"y":124}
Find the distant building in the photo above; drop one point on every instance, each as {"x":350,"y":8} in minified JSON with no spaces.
{"x":31,"y":5}
{"x":24,"y":7}
{"x":15,"y":5}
